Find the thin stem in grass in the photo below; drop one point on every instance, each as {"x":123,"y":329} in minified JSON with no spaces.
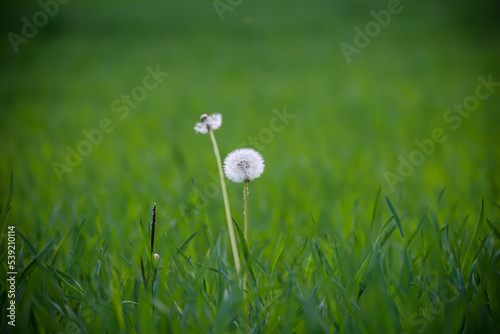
{"x":247,"y":237}
{"x":245,"y":199}
{"x":226,"y":205}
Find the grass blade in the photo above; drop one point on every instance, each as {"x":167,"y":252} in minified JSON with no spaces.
{"x":468,"y":255}
{"x":375,"y":206}
{"x":406,"y":268}
{"x":396,"y":219}
{"x":28,"y":243}
{"x":299,"y":254}
{"x":184,"y":244}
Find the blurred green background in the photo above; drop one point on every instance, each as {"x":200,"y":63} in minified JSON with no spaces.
{"x":352,"y":120}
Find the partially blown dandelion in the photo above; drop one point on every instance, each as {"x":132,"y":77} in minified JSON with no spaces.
{"x":208,"y":123}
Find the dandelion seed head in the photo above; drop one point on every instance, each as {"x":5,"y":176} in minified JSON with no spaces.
{"x":243,"y":165}
{"x":212,"y":122}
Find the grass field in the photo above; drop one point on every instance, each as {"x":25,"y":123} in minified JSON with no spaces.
{"x":378,"y":209}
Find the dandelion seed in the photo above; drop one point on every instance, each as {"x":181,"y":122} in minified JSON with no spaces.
{"x":208,"y":123}
{"x":243,"y":165}
{"x":157,"y":257}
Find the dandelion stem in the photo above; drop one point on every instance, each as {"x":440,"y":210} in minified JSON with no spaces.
{"x":247,"y":234}
{"x":226,"y":204}
{"x":245,"y":198}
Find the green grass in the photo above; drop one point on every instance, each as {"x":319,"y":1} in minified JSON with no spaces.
{"x":333,"y":248}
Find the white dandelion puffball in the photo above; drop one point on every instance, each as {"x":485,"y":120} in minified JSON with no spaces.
{"x":212,"y":122}
{"x":243,"y":165}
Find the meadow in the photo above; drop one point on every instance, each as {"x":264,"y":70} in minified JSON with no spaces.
{"x":378,"y":210}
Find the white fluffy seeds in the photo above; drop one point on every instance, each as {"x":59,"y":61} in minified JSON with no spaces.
{"x":243,"y":165}
{"x":212,"y":122}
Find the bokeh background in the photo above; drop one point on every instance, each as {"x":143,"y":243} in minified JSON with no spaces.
{"x":352,"y":120}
